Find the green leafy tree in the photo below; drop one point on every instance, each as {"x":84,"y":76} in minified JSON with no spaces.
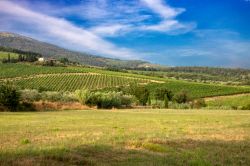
{"x":181,"y":97}
{"x":166,"y":101}
{"x":9,"y":97}
{"x":161,"y":93}
{"x":140,"y":92}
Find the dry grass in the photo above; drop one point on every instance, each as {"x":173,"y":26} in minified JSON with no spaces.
{"x":125,"y":137}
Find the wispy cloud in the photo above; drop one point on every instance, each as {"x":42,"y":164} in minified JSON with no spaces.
{"x":163,"y":9}
{"x":210,"y":47}
{"x":58,"y":28}
{"x":110,"y":18}
{"x":169,"y":24}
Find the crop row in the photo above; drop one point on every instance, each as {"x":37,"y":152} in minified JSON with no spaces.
{"x":73,"y":82}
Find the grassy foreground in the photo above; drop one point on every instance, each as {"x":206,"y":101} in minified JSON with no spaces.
{"x":125,"y":137}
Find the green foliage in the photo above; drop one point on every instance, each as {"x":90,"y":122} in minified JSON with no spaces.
{"x":25,"y":141}
{"x":17,"y":43}
{"x":166,"y":101}
{"x":199,"y":90}
{"x":9,"y":97}
{"x":82,"y":95}
{"x":181,"y":97}
{"x":64,"y":60}
{"x":202,"y":74}
{"x":54,"y":96}
{"x":73,"y":78}
{"x":199,"y":103}
{"x":247,"y":107}
{"x":162,"y":92}
{"x":140,"y":92}
{"x":108,"y":100}
{"x":72,"y":82}
{"x":30,"y":95}
{"x":230,"y":102}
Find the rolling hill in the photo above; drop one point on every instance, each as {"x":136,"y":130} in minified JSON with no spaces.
{"x":71,"y":78}
{"x":23,"y":43}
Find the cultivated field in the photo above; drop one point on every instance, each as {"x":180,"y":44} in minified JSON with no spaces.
{"x":236,"y":101}
{"x":74,"y":77}
{"x":4,"y":55}
{"x":125,"y":137}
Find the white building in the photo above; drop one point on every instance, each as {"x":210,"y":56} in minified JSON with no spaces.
{"x":41,"y":59}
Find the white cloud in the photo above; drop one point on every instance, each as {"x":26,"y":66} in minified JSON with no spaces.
{"x":169,"y":24}
{"x":110,"y":30}
{"x":163,"y":9}
{"x":114,"y":18}
{"x":61,"y":29}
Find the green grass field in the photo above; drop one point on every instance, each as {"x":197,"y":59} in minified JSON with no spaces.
{"x":125,"y":137}
{"x":229,"y":101}
{"x":4,"y":55}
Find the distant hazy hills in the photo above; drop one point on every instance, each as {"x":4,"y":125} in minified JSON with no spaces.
{"x":23,"y":43}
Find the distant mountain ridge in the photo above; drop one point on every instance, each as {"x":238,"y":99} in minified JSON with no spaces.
{"x":24,"y":43}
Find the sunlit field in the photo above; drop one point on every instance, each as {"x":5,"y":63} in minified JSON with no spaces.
{"x":125,"y":137}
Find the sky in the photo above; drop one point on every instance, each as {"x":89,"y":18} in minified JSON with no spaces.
{"x":168,"y":32}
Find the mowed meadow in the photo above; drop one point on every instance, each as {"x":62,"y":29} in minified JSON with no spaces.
{"x":125,"y":137}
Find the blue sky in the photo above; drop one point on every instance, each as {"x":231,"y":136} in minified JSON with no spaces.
{"x":169,"y":32}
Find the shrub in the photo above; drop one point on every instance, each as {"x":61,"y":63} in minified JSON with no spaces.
{"x":247,"y":107}
{"x":127,"y":100}
{"x":198,"y":103}
{"x":108,"y":100}
{"x":140,"y":92}
{"x":166,"y":99}
{"x":82,"y":95}
{"x":9,"y":97}
{"x":161,"y":93}
{"x":58,"y":96}
{"x":30,"y":95}
{"x":181,"y":97}
{"x":51,"y":96}
{"x":68,"y":97}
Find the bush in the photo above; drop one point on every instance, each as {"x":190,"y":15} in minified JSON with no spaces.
{"x":198,"y":103}
{"x":108,"y":100}
{"x":140,"y":92}
{"x":51,"y":96}
{"x":247,"y":107}
{"x":28,"y":95}
{"x":82,"y":95}
{"x":9,"y":97}
{"x":68,"y":97}
{"x":161,"y":94}
{"x":181,"y":97}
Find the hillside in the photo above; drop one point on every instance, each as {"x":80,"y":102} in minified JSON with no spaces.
{"x":24,"y":43}
{"x":236,"y":76}
{"x":72,"y":77}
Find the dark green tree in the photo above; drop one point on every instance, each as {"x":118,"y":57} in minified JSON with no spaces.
{"x":162,"y":92}
{"x":181,"y":97}
{"x":9,"y":97}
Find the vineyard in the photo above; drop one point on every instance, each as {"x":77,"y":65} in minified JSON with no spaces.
{"x":198,"y":90}
{"x":77,"y":77}
{"x":4,"y":55}
{"x":25,"y":70}
{"x":72,"y":82}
